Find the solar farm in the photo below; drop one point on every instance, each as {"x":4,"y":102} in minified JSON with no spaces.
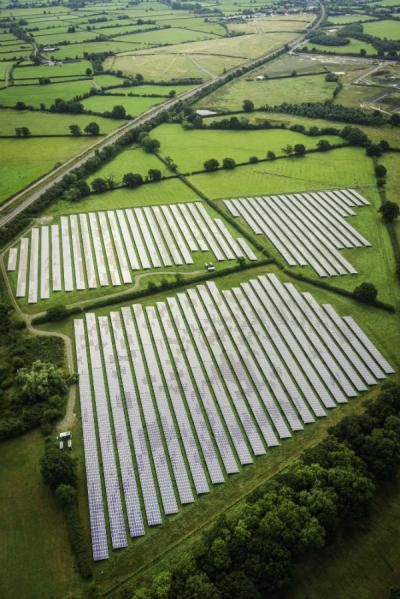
{"x":197,"y":386}
{"x":102,"y":249}
{"x":306,"y":228}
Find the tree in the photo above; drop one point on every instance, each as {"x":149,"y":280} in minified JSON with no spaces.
{"x":132,"y":180}
{"x":299,"y":149}
{"x":118,"y":112}
{"x":58,"y":468}
{"x":139,"y":77}
{"x":89,"y":72}
{"x":248,"y":106}
{"x":150,"y":144}
{"x":354,"y":136}
{"x":154,"y":174}
{"x":66,"y":496}
{"x":271,"y":155}
{"x":211,"y":165}
{"x":92,"y":129}
{"x":324,"y":145}
{"x":253,"y":159}
{"x":366,"y":292}
{"x":288,"y":150}
{"x":41,"y":381}
{"x":20,"y":106}
{"x":389,"y":211}
{"x":380,"y":171}
{"x":99,"y":185}
{"x":228,"y":163}
{"x":172,"y":93}
{"x":75,"y":130}
{"x":56,"y":313}
{"x":373,"y":150}
{"x":384,"y":145}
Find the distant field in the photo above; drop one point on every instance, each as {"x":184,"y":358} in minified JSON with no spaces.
{"x":64,"y":70}
{"x":163,"y":192}
{"x":345,"y":19}
{"x":143,"y":90}
{"x":44,"y":123}
{"x":132,"y":160}
{"x":297,"y":89}
{"x":286,"y":64}
{"x":78,"y":50}
{"x":34,"y":95}
{"x":354,"y":95}
{"x":3,"y":68}
{"x":268,"y":24}
{"x":189,"y":149}
{"x":354,"y":47}
{"x":107,"y":80}
{"x":35,"y":558}
{"x":343,"y":167}
{"x":164,"y":67}
{"x":133,"y":106}
{"x":384,"y":29}
{"x":166,"y":36}
{"x":24,"y":160}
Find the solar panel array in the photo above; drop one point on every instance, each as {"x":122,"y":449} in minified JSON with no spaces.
{"x":306,"y":228}
{"x":185,"y":392}
{"x":104,"y":248}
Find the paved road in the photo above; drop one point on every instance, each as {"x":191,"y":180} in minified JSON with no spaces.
{"x":17,"y":204}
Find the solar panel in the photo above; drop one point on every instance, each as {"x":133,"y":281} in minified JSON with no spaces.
{"x":109,"y":250}
{"x":98,"y":250}
{"x":22,"y":267}
{"x":130,"y":250}
{"x":137,"y":239}
{"x":77,"y":253}
{"x":34,"y":267}
{"x":87,"y":252}
{"x":188,"y":237}
{"x":93,"y":479}
{"x":66,"y":252}
{"x":119,"y":248}
{"x":55,"y":258}
{"x":44,"y":264}
{"x":12,"y":259}
{"x":148,"y":238}
{"x":248,"y":252}
{"x":162,"y":248}
{"x":193,"y":227}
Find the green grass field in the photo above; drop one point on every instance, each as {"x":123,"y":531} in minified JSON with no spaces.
{"x":166,"y":36}
{"x":354,"y":47}
{"x":131,"y":160}
{"x":190,"y":149}
{"x":297,"y":89}
{"x":132,"y":105}
{"x":63,"y":70}
{"x":24,"y":160}
{"x":346,"y":19}
{"x":163,"y":192}
{"x":44,"y":123}
{"x":342,"y":167}
{"x":35,"y":558}
{"x":384,"y":29}
{"x":34,"y":95}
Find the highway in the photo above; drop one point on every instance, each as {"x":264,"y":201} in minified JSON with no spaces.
{"x":22,"y":200}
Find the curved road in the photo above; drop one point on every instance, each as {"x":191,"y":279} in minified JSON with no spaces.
{"x":28,"y":196}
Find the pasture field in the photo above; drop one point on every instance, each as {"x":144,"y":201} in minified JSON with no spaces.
{"x":385,"y":29}
{"x":45,"y":123}
{"x":190,"y":149}
{"x":147,"y":90}
{"x":313,"y":172}
{"x":311,"y":88}
{"x":24,"y":82}
{"x":166,"y":66}
{"x":285,"y":23}
{"x":191,"y":23}
{"x":35,"y":556}
{"x":286,"y":64}
{"x":77,"y":51}
{"x":132,"y":105}
{"x":34,"y":95}
{"x":354,"y":47}
{"x":68,"y":69}
{"x":131,"y":160}
{"x":4,"y":66}
{"x":105,"y":81}
{"x":53,"y":39}
{"x":37,"y":156}
{"x":162,"y":192}
{"x":359,"y":95}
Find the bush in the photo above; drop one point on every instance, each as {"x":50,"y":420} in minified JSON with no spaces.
{"x":366,"y":293}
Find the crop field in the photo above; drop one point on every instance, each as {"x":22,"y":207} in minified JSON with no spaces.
{"x":35,"y":95}
{"x":132,"y":105}
{"x":311,"y":88}
{"x":14,"y":152}
{"x":385,"y":29}
{"x":166,"y":66}
{"x":44,"y":123}
{"x":190,"y":149}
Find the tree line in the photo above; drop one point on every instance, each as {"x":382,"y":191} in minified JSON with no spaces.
{"x":252,"y":551}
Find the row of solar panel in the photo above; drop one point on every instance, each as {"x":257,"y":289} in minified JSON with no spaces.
{"x":209,"y":380}
{"x":105,"y":248}
{"x":307,"y":228}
